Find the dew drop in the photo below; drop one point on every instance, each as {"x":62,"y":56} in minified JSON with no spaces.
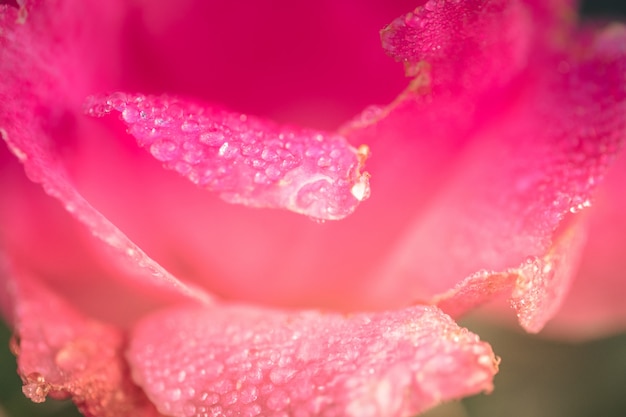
{"x":117,"y":100}
{"x":130,"y":114}
{"x":164,"y":150}
{"x":324,"y":161}
{"x":431,"y":5}
{"x":190,"y":126}
{"x":182,"y":167}
{"x":248,"y":394}
{"x":227,"y":150}
{"x":277,"y":400}
{"x":261,"y":178}
{"x":175,"y":394}
{"x":361,"y":189}
{"x":269,"y":155}
{"x":273,"y":172}
{"x":229,"y":398}
{"x":280,"y":376}
{"x":192,"y":153}
{"x":214,"y":138}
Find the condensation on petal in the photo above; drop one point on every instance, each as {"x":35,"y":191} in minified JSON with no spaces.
{"x":63,"y":354}
{"x":251,"y":361}
{"x":537,"y":288}
{"x":524,"y":177}
{"x":490,"y":41}
{"x":246,"y":160}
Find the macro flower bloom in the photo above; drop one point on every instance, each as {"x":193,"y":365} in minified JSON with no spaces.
{"x":163,"y":164}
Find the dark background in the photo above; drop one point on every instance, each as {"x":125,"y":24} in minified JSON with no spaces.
{"x":538,"y":378}
{"x":615,"y":8}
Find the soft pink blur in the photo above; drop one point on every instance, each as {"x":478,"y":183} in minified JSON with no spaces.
{"x":483,"y":168}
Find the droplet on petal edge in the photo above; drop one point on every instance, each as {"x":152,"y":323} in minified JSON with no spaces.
{"x":245,"y":159}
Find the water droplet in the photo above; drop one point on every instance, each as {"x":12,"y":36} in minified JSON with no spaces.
{"x":261,"y":178}
{"x":255,"y":376}
{"x":174,"y":394}
{"x":361,"y":189}
{"x":130,"y":114}
{"x":324,"y":161}
{"x":335,"y":153}
{"x":431,"y":5}
{"x":222,"y":386}
{"x":227,"y":150}
{"x":182,"y":168}
{"x":280,"y":376}
{"x":212,"y":369}
{"x":213,"y":138}
{"x":278,"y":400}
{"x":250,"y":149}
{"x":248,"y":394}
{"x":192,"y":153}
{"x":117,"y":100}
{"x":273,"y":172}
{"x":269,"y":155}
{"x":71,"y":359}
{"x":164,"y":150}
{"x":229,"y":398}
{"x":190,"y":126}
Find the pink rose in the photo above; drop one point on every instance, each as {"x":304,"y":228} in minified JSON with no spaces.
{"x":144,"y":294}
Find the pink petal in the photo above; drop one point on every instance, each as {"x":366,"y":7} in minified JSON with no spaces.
{"x":510,"y":197}
{"x":248,"y":361}
{"x":316,"y":255}
{"x":247,"y":160}
{"x":41,"y":167}
{"x":270,"y":58}
{"x":36,"y":116}
{"x":595,"y":305}
{"x":62,"y":354}
{"x":489,"y":40}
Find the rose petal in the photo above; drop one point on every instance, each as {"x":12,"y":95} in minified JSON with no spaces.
{"x":35,"y":115}
{"x":536,"y":288}
{"x":265,"y":57}
{"x":247,"y":160}
{"x":595,"y":305}
{"x":62,"y":354}
{"x":489,"y":40}
{"x":250,"y":361}
{"x":524,"y":173}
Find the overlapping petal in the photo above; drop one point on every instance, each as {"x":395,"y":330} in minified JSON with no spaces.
{"x":511,"y":198}
{"x":247,"y":361}
{"x":36,"y":122}
{"x":61,"y":354}
{"x":246,"y":160}
{"x":594,"y":307}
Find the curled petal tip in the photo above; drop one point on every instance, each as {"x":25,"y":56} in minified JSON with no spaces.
{"x":244,"y":159}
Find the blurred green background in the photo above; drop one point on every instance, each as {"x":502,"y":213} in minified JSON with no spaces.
{"x":538,"y":378}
